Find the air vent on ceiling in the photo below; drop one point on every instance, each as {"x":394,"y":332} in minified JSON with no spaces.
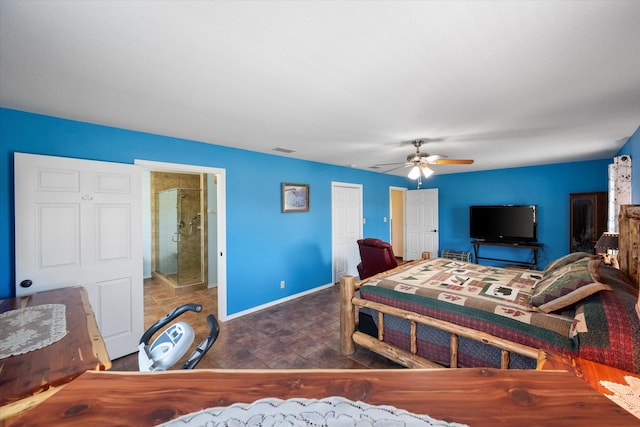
{"x":284,"y":150}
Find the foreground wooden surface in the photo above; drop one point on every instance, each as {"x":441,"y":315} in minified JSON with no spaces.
{"x":28,"y":378}
{"x":478,"y":397}
{"x":590,"y":372}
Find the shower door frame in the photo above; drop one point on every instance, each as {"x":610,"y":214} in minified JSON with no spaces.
{"x":174,"y":232}
{"x":184,"y":230}
{"x":167,"y":230}
{"x":221,"y":226}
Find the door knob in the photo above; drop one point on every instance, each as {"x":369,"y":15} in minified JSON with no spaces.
{"x":26,"y":283}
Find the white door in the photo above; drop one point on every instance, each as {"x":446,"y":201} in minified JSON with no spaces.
{"x":78,"y":223}
{"x":421,"y":223}
{"x":346,"y":202}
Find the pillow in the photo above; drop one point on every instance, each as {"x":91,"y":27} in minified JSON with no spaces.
{"x":566,"y":260}
{"x":567,"y":285}
{"x":616,"y":278}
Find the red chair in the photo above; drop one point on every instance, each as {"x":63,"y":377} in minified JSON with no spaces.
{"x":376,"y":256}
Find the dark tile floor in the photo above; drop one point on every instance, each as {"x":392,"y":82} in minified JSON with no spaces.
{"x":299,"y":334}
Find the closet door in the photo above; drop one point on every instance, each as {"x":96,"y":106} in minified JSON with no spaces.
{"x":421,"y":223}
{"x":346,"y":225}
{"x":588,"y":213}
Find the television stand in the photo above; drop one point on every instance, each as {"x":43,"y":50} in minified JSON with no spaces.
{"x":532,"y":246}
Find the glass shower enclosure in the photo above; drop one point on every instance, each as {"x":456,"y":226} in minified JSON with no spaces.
{"x":180,"y":236}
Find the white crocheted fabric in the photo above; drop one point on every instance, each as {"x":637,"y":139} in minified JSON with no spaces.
{"x":30,"y":328}
{"x":625,"y":395}
{"x":331,"y":412}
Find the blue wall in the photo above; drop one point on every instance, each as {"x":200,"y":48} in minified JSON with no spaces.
{"x":632,"y":148}
{"x":265,"y":246}
{"x":548,"y":187}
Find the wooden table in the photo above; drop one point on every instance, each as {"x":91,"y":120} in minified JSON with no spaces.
{"x":590,"y":372}
{"x":476,"y":396}
{"x":29,"y":378}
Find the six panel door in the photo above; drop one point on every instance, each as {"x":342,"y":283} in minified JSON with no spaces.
{"x":78,"y":223}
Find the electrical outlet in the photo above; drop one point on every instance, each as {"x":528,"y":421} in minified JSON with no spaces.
{"x":282,"y":284}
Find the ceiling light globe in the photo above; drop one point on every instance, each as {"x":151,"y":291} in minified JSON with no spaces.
{"x":414,"y":173}
{"x":427,"y":171}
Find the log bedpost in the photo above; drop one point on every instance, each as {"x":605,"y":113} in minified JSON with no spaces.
{"x":347,"y":315}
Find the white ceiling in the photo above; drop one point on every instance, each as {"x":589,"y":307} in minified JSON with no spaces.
{"x":507,"y":83}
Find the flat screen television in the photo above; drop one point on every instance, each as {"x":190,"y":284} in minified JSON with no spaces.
{"x":505,"y":223}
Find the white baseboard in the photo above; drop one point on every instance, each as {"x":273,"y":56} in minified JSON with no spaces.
{"x":276,"y":302}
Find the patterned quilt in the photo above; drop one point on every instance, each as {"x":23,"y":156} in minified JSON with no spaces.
{"x":489,"y":299}
{"x":496,"y":301}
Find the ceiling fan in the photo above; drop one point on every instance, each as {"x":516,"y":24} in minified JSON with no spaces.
{"x":421,"y":161}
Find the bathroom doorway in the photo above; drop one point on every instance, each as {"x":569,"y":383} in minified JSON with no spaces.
{"x":208,"y":222}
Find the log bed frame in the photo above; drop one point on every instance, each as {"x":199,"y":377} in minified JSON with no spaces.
{"x":628,"y":257}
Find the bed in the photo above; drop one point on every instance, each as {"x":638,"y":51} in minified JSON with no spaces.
{"x":445,"y":313}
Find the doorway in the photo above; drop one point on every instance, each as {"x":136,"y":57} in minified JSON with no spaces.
{"x":396,"y":219}
{"x":212,"y":219}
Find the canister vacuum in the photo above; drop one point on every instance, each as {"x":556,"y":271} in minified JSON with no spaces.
{"x":174,"y":341}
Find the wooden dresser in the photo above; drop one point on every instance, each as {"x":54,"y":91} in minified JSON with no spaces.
{"x":28,"y":379}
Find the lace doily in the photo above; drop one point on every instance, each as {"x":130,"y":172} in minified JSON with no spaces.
{"x":30,"y":328}
{"x":331,"y":411}
{"x":625,"y":395}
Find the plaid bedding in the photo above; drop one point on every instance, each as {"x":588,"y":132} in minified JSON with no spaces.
{"x":496,"y":301}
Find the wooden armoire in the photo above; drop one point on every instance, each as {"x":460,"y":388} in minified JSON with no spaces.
{"x":588,"y":219}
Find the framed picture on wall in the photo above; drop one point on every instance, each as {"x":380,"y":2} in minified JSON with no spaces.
{"x":295,"y":197}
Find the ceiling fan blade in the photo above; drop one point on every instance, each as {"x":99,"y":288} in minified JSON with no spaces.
{"x":452,"y":162}
{"x":433,"y":158}
{"x":398,"y":167}
{"x":390,"y":164}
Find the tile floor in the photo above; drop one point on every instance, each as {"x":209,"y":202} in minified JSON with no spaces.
{"x":299,"y":334}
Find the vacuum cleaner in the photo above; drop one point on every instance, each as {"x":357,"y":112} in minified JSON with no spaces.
{"x":174,"y":342}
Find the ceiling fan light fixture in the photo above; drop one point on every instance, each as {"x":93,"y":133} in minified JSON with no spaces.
{"x":427,"y":171}
{"x":420,"y":161}
{"x":414,"y":173}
